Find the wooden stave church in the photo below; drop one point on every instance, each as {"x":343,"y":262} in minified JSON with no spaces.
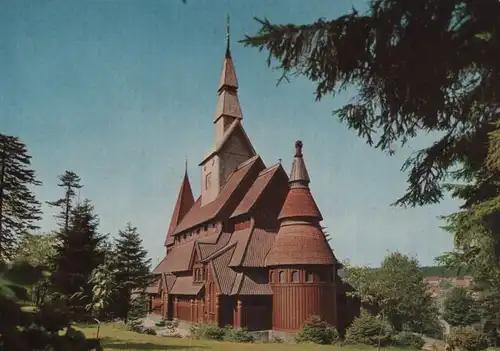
{"x":250,"y":251}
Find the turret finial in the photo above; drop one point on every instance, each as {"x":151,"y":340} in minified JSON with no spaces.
{"x":228,"y":51}
{"x":186,"y":165}
{"x":298,"y":148}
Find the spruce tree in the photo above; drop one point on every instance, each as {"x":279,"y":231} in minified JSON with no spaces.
{"x":70,"y":181}
{"x":19,"y":210}
{"x":78,"y":253}
{"x":460,"y":309}
{"x":133,"y":268}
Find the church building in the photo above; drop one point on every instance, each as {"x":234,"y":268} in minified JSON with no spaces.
{"x":249,"y":251}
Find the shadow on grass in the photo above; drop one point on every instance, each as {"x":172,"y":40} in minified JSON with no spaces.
{"x":113,"y":344}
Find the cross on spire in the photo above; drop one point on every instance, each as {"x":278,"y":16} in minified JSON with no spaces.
{"x":228,"y":33}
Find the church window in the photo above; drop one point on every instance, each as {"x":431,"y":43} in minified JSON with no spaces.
{"x":282,"y":277}
{"x":309,"y":277}
{"x":271,"y":277}
{"x":295,"y":277}
{"x":208,"y":180}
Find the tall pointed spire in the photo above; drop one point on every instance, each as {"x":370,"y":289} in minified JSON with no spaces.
{"x":228,"y":104}
{"x":299,"y":202}
{"x":185,"y":200}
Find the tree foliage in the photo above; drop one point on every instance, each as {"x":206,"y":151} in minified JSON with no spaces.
{"x":70,"y":182}
{"x":460,"y":309}
{"x":78,"y":253}
{"x":416,"y":67}
{"x":46,"y":329}
{"x":398,"y":289}
{"x":133,"y":271}
{"x":36,"y":249}
{"x":19,"y":209}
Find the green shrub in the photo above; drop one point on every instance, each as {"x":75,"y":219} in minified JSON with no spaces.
{"x":368,"y":329}
{"x":409,"y":340}
{"x":237,"y":335}
{"x":317,"y":331}
{"x":160,"y":323}
{"x":466,"y":338}
{"x":207,"y":331}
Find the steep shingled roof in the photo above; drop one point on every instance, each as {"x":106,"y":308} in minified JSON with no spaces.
{"x":300,"y":240}
{"x":185,"y":200}
{"x":235,"y":184}
{"x":177,"y":260}
{"x":257,"y":189}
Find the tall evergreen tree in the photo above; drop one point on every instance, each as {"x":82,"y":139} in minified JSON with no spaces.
{"x":19,"y":210}
{"x":70,"y":182}
{"x":78,"y":253}
{"x":133,"y":271}
{"x":460,"y":309}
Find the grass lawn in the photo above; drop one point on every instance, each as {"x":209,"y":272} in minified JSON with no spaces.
{"x":115,"y":339}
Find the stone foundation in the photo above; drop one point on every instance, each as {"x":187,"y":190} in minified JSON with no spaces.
{"x":285,"y":336}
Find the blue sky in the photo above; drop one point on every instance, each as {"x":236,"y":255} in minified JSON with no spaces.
{"x":121,"y":92}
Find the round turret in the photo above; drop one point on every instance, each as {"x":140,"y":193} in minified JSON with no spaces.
{"x":301,"y":263}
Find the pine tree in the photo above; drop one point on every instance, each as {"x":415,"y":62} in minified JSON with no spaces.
{"x":70,"y":181}
{"x":460,"y":308}
{"x":19,"y":210}
{"x":78,"y":253}
{"x":133,"y":268}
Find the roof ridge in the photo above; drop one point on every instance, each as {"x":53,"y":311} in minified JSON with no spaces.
{"x":269,"y":169}
{"x":220,"y":252}
{"x":245,"y":163}
{"x":226,"y":137}
{"x":252,"y":229}
{"x":240,"y":166}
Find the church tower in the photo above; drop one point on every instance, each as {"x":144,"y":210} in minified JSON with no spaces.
{"x":231,"y":145}
{"x":301,"y":263}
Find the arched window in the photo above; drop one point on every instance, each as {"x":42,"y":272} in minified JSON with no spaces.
{"x":309,"y":277}
{"x":295,"y":277}
{"x":282,"y":277}
{"x":271,"y":277}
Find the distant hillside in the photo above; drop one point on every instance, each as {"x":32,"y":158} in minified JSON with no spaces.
{"x":438,"y":271}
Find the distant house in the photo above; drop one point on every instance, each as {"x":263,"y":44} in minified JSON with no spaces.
{"x":250,"y":251}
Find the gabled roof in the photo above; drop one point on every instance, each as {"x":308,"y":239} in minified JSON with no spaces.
{"x":234,"y":128}
{"x":208,"y":248}
{"x":185,"y":200}
{"x":184,"y":285}
{"x":257,"y":189}
{"x":236,"y":186}
{"x":177,"y":260}
{"x":224,"y":276}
